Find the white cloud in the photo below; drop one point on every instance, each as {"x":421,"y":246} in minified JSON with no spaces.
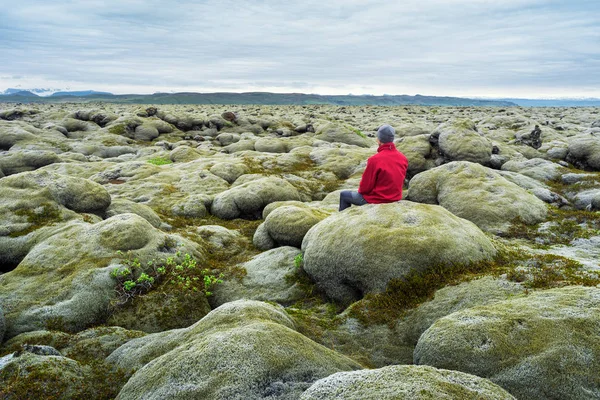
{"x":457,"y":47}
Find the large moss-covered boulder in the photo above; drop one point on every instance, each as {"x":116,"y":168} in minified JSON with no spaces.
{"x":343,"y":162}
{"x":248,"y":199}
{"x":287,"y":225}
{"x":541,"y":346}
{"x":32,"y":376}
{"x":242,"y":350}
{"x":124,"y":206}
{"x":536,"y":168}
{"x":268,"y":276}
{"x":404,"y":382}
{"x":335,"y":132}
{"x":478,"y":194}
{"x":26,"y":160}
{"x":64,"y":281}
{"x":229,"y":171}
{"x":584,"y":152}
{"x":446,"y":301}
{"x":35,"y":204}
{"x":93,"y":344}
{"x":362,"y":249}
{"x":459,"y":141}
{"x":417,"y":149}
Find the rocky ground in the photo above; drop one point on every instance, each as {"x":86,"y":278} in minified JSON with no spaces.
{"x":197,"y":252}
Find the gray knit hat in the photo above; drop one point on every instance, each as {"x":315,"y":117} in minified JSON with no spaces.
{"x":385,"y":134}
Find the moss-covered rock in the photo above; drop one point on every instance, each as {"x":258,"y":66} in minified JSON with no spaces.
{"x":270,"y":145}
{"x":91,"y":345}
{"x":287,"y":225}
{"x":541,"y":346}
{"x":229,"y":171}
{"x":64,"y":281}
{"x":123,"y":206}
{"x":417,"y":149}
{"x":146,"y":132}
{"x":249,"y":199}
{"x":251,"y":344}
{"x":2,"y":325}
{"x":536,"y":168}
{"x":335,"y":132}
{"x":343,"y":162}
{"x":157,"y":311}
{"x":460,"y":141}
{"x":268,"y":277}
{"x":362,"y":249}
{"x":584,"y":152}
{"x":404,"y":382}
{"x":26,"y":160}
{"x":34,"y":204}
{"x":32,"y":376}
{"x":478,"y":194}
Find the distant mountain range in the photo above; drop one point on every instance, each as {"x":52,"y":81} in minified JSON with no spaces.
{"x":49,"y":92}
{"x":267,"y":98}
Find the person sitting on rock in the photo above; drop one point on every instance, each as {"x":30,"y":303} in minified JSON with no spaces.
{"x":383,"y":177}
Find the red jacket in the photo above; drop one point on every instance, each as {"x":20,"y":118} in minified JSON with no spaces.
{"x":384,"y":176}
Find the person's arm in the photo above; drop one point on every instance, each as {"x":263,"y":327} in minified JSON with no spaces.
{"x":369,"y":177}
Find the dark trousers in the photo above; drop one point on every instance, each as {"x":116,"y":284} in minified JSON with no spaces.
{"x":349,"y":197}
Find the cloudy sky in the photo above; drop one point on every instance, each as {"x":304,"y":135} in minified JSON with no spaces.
{"x":499,"y":48}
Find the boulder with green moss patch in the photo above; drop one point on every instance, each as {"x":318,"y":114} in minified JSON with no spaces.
{"x":249,"y":199}
{"x":32,"y":376}
{"x":404,"y":382}
{"x":35,"y":204}
{"x":287,"y":225}
{"x":541,"y":346}
{"x":362,"y":249}
{"x":123,"y":206}
{"x":536,"y":168}
{"x":269,"y":276}
{"x":229,"y":171}
{"x":14,"y":162}
{"x":253,"y":346}
{"x":417,"y":149}
{"x":459,"y":141}
{"x":584,"y":152}
{"x":64,"y":281}
{"x":335,"y":132}
{"x":478,"y":194}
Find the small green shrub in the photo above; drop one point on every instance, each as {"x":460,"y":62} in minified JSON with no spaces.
{"x":180,"y":271}
{"x":160,"y":161}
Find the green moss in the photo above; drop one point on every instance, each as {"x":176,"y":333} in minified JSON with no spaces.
{"x":119,"y":129}
{"x":533,"y":270}
{"x":160,"y":161}
{"x":357,"y":131}
{"x":45,"y":214}
{"x":564,"y":227}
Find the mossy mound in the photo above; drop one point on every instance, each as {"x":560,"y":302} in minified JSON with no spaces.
{"x":248,"y":199}
{"x":404,"y":382}
{"x":478,"y":194}
{"x":459,"y":140}
{"x":64,"y":281}
{"x":256,"y":355}
{"x":541,"y":346}
{"x":287,"y":226}
{"x":32,"y":376}
{"x":362,"y":249}
{"x":334,"y":132}
{"x":268,"y":277}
